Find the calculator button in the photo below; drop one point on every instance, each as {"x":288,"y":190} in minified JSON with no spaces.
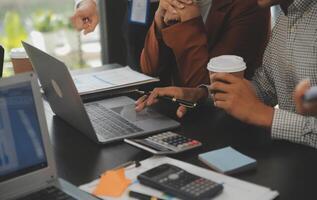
{"x":173,"y":176}
{"x":195,"y":142}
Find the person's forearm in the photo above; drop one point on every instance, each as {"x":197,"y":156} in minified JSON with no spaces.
{"x":263,"y":116}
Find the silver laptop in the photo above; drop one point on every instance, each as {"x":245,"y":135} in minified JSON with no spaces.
{"x":27,"y":167}
{"x":102,"y":121}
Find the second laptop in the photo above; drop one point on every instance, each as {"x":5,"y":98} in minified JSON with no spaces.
{"x":102,"y":121}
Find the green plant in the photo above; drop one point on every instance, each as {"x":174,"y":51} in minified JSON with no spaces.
{"x":14,"y":32}
{"x":46,"y":21}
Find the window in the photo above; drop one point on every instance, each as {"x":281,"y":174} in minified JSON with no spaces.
{"x":46,"y":25}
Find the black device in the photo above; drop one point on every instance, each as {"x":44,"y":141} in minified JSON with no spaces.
{"x":179,"y":183}
{"x":311,"y":95}
{"x":1,"y":59}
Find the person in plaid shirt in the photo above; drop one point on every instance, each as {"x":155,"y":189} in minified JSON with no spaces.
{"x":290,"y":57}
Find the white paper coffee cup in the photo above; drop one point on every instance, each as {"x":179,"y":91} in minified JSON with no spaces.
{"x":228,"y":64}
{"x":20,"y":61}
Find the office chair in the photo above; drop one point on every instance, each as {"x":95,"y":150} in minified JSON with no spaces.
{"x":1,"y":60}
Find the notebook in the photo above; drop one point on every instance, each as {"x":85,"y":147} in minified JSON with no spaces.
{"x":111,"y":79}
{"x":227,"y":160}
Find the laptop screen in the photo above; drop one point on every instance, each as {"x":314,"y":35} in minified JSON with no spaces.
{"x":21,"y":145}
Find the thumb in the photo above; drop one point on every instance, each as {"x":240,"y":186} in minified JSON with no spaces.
{"x":300,"y":90}
{"x":181,"y":111}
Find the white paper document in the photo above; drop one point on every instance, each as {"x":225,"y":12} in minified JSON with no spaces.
{"x":109,"y":80}
{"x":234,"y":189}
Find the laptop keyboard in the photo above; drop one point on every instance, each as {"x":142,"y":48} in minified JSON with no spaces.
{"x":109,"y":124}
{"x":51,"y":193}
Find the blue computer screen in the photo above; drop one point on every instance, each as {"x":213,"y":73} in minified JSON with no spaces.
{"x":21,"y":145}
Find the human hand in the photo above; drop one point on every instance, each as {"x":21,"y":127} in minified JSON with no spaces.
{"x":170,"y":19}
{"x":302,"y":107}
{"x":86,"y":16}
{"x":188,"y":94}
{"x":189,"y":12}
{"x":237,"y":97}
{"x":184,"y":14}
{"x":169,"y":6}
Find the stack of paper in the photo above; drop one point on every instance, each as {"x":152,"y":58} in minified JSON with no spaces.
{"x":234,"y":189}
{"x":110,"y":80}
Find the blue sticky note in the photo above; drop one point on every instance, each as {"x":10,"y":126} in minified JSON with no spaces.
{"x":227,"y":160}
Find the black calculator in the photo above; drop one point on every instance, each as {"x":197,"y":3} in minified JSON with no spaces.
{"x":165,"y":143}
{"x":179,"y":183}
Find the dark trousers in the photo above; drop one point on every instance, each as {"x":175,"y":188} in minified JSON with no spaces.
{"x":135,"y":35}
{"x":125,"y":39}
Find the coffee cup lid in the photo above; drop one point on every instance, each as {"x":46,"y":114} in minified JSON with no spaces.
{"x":18,"y":53}
{"x":226,"y":63}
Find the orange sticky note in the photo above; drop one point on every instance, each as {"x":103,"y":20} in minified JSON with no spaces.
{"x":112,"y":183}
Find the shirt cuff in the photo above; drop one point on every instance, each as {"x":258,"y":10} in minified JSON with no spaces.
{"x":291,"y":126}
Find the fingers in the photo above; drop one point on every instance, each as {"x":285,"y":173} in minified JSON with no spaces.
{"x":153,"y":98}
{"x":171,"y":9}
{"x":170,"y":19}
{"x":188,"y":2}
{"x":221,"y":104}
{"x":77,"y":21}
{"x":140,"y":104}
{"x":224,"y":77}
{"x":181,"y":111}
{"x":172,"y":5}
{"x":300,"y":90}
{"x":156,"y":93}
{"x":86,"y":18}
{"x":141,"y":99}
{"x":220,"y":96}
{"x":219,"y":87}
{"x":91,"y":24}
{"x":177,"y":4}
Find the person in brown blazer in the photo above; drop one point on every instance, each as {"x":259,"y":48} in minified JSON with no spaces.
{"x":179,"y":53}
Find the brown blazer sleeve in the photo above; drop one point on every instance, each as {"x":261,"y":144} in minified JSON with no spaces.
{"x":245,"y":32}
{"x":150,"y":53}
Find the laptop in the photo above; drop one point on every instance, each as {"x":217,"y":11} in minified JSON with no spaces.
{"x":27,"y":167}
{"x":102,"y":121}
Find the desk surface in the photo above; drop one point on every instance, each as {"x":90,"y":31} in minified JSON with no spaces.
{"x":283,"y":166}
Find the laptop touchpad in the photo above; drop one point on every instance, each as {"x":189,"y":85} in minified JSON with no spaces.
{"x":129,"y":113}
